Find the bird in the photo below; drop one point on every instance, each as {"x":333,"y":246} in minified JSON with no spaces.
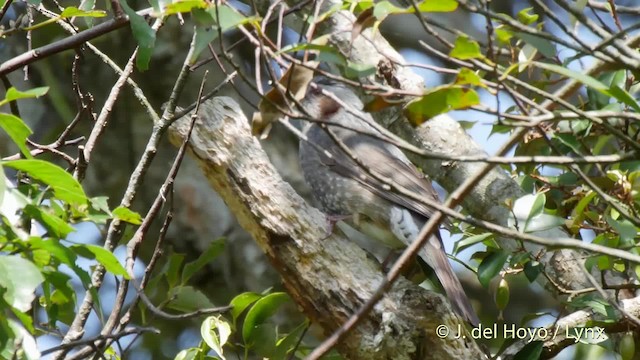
{"x":341,"y":177}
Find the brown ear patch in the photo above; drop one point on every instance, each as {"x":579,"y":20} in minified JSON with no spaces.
{"x":327,"y":107}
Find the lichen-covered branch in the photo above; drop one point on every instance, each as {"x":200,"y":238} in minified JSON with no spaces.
{"x":329,"y":277}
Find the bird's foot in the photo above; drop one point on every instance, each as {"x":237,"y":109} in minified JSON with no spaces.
{"x":332,"y":220}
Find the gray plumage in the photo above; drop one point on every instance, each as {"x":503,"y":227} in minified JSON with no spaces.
{"x":343,"y":187}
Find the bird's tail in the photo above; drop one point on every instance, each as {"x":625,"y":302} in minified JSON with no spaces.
{"x":440,"y":263}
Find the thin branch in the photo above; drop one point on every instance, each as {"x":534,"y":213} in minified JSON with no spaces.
{"x":121,"y":334}
{"x":66,"y":43}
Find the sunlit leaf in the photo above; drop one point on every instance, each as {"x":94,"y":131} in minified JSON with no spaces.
{"x":19,"y":279}
{"x":525,"y":17}
{"x":470,"y":241}
{"x":468,"y":77}
{"x":438,"y":101}
{"x":17,"y":130}
{"x":241,"y":302}
{"x":54,"y":225}
{"x":15,"y":94}
{"x":127,"y":215}
{"x":438,"y":5}
{"x":184,"y":6}
{"x":64,"y":186}
{"x":73,"y":11}
{"x":465,"y":48}
{"x":260,"y":312}
{"x":215,"y":332}
{"x":103,"y":256}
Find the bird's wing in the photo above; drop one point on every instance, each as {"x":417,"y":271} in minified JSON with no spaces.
{"x":386,"y":161}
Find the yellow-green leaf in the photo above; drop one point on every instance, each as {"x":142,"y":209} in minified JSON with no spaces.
{"x":64,"y":186}
{"x":127,"y":215}
{"x":18,"y":131}
{"x":438,"y":5}
{"x":465,"y":48}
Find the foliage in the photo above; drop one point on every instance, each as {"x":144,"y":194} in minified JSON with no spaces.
{"x":573,"y":131}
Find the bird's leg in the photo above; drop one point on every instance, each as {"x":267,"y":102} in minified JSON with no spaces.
{"x":332,"y":220}
{"x":391,"y":257}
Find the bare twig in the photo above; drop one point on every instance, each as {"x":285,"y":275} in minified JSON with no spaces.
{"x":66,"y":43}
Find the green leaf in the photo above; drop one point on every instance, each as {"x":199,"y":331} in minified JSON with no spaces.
{"x":127,"y":215}
{"x":536,"y":203}
{"x":26,"y":320}
{"x":570,"y":141}
{"x":465,"y":48}
{"x":263,"y":340}
{"x":529,"y":211}
{"x":3,"y":185}
{"x":532,"y":269}
{"x":288,"y":343}
{"x":543,"y":45}
{"x":581,"y":77}
{"x":438,"y":101}
{"x":62,"y":283}
{"x":61,"y":253}
{"x":204,"y":36}
{"x":144,"y":35}
{"x":19,"y":278}
{"x":103,"y":256}
{"x":503,"y":34}
{"x":502,"y":295}
{"x":18,"y":131}
{"x":173,"y":269}
{"x":469,"y":241}
{"x":24,"y":343}
{"x":15,"y":94}
{"x":468,"y":77}
{"x":88,"y":5}
{"x":491,"y":266}
{"x":187,"y":299}
{"x":438,"y":6}
{"x":625,"y":228}
{"x":215,"y":332}
{"x":623,"y":96}
{"x":215,"y":248}
{"x":525,"y":17}
{"x":531,"y":351}
{"x":359,"y":70}
{"x":382,"y":9}
{"x":260,"y":312}
{"x":189,"y":354}
{"x":184,"y":6}
{"x":54,"y":225}
{"x":64,"y":186}
{"x":241,"y":302}
{"x":73,"y":11}
{"x":227,"y":17}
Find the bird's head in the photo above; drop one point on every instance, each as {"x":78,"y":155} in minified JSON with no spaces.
{"x":326,"y":97}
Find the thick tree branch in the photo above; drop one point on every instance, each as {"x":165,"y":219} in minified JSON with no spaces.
{"x":329,"y":278}
{"x":445,"y":136}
